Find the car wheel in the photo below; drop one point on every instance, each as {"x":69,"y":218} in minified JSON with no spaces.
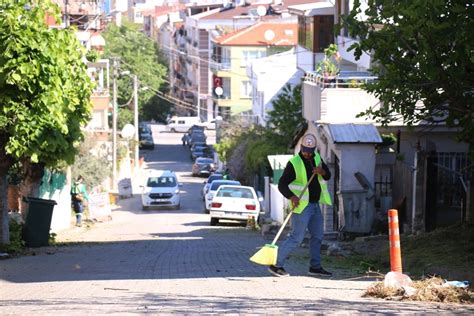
{"x":173,"y":130}
{"x":214,"y":221}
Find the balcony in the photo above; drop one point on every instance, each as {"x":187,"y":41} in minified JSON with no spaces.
{"x":337,"y":99}
{"x":218,"y":63}
{"x":345,"y":79}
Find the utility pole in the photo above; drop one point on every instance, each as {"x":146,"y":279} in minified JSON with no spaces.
{"x":135,"y":121}
{"x":114,"y":125}
{"x":66,"y":15}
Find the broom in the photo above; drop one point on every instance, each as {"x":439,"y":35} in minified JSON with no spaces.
{"x":267,"y":255}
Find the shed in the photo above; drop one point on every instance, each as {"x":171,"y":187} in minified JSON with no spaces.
{"x":349,"y":149}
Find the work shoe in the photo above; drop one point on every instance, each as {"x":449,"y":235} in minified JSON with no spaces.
{"x":276,"y":271}
{"x":319,"y":272}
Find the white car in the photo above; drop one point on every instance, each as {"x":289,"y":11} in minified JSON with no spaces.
{"x":213,"y":188}
{"x":209,"y":125}
{"x":234,"y":202}
{"x":161,"y":190}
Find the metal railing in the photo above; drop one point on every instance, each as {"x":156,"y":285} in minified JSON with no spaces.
{"x":345,"y":79}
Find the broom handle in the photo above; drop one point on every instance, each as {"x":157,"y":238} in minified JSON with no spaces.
{"x":291,"y":212}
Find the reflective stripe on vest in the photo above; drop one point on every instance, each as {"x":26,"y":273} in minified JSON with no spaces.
{"x":300,"y":182}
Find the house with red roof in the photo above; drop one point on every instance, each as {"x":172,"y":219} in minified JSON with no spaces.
{"x":194,"y":81}
{"x":231,"y":54}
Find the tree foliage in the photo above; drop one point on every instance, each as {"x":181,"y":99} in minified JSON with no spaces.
{"x":44,"y":88}
{"x":245,"y":150}
{"x":424,"y":60}
{"x":93,"y":166}
{"x":140,"y":55}
{"x":44,"y":91}
{"x":287,"y":112}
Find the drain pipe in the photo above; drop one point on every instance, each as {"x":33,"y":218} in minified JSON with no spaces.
{"x":413,"y":198}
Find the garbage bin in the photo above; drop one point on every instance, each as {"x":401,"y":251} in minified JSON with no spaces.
{"x":38,"y":221}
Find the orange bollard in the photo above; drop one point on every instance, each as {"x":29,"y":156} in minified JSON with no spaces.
{"x":394,"y":238}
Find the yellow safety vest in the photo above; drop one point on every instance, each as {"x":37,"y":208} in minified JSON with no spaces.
{"x":300,"y":182}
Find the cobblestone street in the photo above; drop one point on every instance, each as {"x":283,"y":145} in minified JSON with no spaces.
{"x":164,"y":262}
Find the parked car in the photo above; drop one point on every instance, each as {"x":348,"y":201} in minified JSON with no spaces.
{"x":196,"y":137}
{"x":161,"y":190}
{"x":201,"y":151}
{"x":197,"y":151}
{"x":196,"y":127}
{"x":234,"y":202}
{"x":213,"y":188}
{"x":207,"y":183}
{"x":203,"y":166}
{"x":144,"y":129}
{"x":197,"y":144}
{"x":146,"y":142}
{"x":209,"y":125}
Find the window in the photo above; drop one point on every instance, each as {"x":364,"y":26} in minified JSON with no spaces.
{"x":246,"y":89}
{"x":226,"y":88}
{"x":161,"y":182}
{"x":225,"y":59}
{"x":249,"y":55}
{"x":305,"y":32}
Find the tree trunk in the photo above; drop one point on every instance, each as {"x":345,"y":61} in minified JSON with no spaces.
{"x":32,"y":175}
{"x":5,"y":163}
{"x":4,"y":221}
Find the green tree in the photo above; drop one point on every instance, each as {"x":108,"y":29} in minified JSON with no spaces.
{"x":44,"y":93}
{"x":424,"y":60}
{"x":287,"y":112}
{"x":95,"y":168}
{"x":140,"y":55}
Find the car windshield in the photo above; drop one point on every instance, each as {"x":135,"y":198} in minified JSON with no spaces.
{"x":216,"y":184}
{"x":204,"y":160}
{"x":161,"y":182}
{"x":243,"y":193}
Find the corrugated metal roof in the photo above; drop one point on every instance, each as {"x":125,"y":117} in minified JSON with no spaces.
{"x":354,"y":133}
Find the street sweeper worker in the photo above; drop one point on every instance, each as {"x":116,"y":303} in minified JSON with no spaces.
{"x":306,"y":211}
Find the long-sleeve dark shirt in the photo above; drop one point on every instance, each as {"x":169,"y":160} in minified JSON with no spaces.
{"x":289,"y":175}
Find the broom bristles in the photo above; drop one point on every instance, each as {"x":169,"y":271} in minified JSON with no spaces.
{"x":266,"y":256}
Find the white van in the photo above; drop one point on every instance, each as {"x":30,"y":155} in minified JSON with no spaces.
{"x":181,"y":123}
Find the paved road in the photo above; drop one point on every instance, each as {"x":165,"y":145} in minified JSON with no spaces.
{"x":164,"y":262}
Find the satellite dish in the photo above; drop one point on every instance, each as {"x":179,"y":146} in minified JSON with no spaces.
{"x":269,"y":35}
{"x":219,"y":91}
{"x":128,"y":131}
{"x":261,"y":10}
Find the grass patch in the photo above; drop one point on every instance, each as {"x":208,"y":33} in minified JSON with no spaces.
{"x":446,"y":252}
{"x":355,"y":264}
